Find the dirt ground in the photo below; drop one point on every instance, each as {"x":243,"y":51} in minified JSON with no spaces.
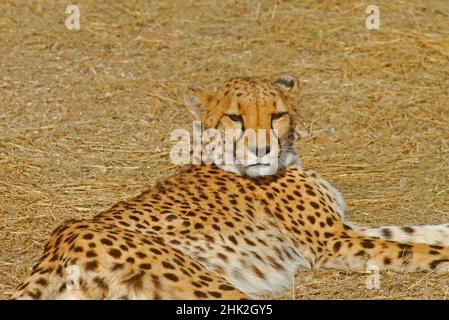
{"x":85,"y":115}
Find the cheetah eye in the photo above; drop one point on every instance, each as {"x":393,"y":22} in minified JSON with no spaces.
{"x":278,"y":115}
{"x":235,"y":117}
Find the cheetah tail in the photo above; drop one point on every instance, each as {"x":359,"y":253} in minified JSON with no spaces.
{"x":360,"y":253}
{"x":437,"y":234}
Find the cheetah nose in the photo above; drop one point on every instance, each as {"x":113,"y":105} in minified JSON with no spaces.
{"x":259,"y":151}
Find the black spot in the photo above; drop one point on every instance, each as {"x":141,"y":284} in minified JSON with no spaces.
{"x":115,"y":253}
{"x":171,"y":217}
{"x":337,"y":246}
{"x":227,"y":248}
{"x":101,"y":283}
{"x":367,"y":243}
{"x":314,"y":204}
{"x":215,"y":294}
{"x":117,"y":266}
{"x":404,"y":246}
{"x":205,"y":278}
{"x":42,"y":282}
{"x":259,"y":273}
{"x":91,"y":265}
{"x":408,"y":230}
{"x":35,"y":295}
{"x":91,"y":254}
{"x":88,"y":236}
{"x":229,"y":224}
{"x":168,"y":265}
{"x":106,"y":242}
{"x":310,"y":192}
{"x":200,"y":294}
{"x":155,"y":251}
{"x":387,"y":261}
{"x":59,"y":270}
{"x":434,"y":264}
{"x":62,"y":288}
{"x":78,"y":249}
{"x":225,"y":287}
{"x":311,"y":219}
{"x":222,"y":256}
{"x":171,"y":276}
{"x":329,"y":222}
{"x":386,"y":233}
{"x":361,"y":253}
{"x":186,"y":223}
{"x":198,"y":226}
{"x":145,"y":266}
{"x":279,"y":216}
{"x":131,"y":245}
{"x":297,"y":193}
{"x":233,"y":239}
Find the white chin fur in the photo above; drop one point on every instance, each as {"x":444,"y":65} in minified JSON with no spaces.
{"x":261,"y":170}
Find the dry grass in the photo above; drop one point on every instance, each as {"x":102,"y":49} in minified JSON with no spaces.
{"x":85,"y":115}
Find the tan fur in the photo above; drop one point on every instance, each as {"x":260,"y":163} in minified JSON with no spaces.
{"x":206,"y":233}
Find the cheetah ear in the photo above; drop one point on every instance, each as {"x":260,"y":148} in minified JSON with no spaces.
{"x":286,"y":82}
{"x":195,"y":100}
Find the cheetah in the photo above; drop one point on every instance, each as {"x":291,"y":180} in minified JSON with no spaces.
{"x":227,"y":231}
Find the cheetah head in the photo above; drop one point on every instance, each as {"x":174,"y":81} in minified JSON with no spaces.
{"x":255,"y":121}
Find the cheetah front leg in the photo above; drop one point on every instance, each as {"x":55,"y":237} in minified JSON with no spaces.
{"x":437,"y":234}
{"x":357,"y":253}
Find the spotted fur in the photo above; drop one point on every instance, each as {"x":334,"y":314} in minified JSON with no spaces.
{"x":217,"y":232}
